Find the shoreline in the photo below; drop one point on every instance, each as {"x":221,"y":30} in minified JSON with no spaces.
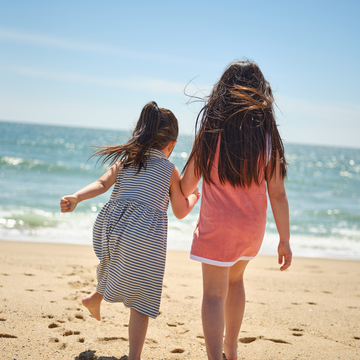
{"x":309,"y":311}
{"x":268,"y":248}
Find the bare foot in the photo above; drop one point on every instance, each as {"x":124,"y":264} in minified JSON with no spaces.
{"x":92,"y":303}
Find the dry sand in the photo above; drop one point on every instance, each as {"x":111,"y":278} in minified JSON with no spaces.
{"x":311,"y":311}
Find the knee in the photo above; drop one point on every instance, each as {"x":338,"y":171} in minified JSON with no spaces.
{"x":214,"y":299}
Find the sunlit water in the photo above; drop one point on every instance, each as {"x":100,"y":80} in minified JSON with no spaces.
{"x":39,"y":164}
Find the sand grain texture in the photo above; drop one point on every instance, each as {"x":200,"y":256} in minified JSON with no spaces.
{"x":311,"y":311}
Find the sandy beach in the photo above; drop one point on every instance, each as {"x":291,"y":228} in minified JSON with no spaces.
{"x":311,"y":311}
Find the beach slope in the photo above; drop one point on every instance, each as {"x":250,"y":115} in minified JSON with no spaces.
{"x":311,"y":311}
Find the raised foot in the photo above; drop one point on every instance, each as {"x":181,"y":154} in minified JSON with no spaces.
{"x":92,"y":303}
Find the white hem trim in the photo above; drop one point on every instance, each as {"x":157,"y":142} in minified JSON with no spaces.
{"x":219,"y":263}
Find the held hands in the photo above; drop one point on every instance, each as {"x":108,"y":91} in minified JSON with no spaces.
{"x":68,"y":203}
{"x":196,"y":192}
{"x":285,"y":255}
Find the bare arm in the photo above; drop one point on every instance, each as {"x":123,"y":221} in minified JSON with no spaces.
{"x":280,"y":208}
{"x":181,"y":205}
{"x":98,"y":187}
{"x":189,"y":180}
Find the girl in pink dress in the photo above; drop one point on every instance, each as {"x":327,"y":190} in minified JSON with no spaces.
{"x":239,"y":154}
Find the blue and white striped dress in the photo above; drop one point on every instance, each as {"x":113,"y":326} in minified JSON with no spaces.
{"x":130,"y":236}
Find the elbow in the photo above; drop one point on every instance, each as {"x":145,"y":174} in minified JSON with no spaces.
{"x":180,"y":215}
{"x":102,"y":185}
{"x":278,"y":197}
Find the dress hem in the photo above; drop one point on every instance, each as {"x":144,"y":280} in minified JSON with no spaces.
{"x":219,"y":263}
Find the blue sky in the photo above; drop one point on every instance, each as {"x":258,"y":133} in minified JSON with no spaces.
{"x":95,"y":64}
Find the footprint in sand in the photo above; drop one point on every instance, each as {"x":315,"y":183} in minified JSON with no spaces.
{"x":79,"y":316}
{"x":113,"y":338}
{"x":327,"y":292}
{"x":177,"y":351}
{"x":86,"y":355}
{"x":29,"y":290}
{"x":54,"y":340}
{"x":48,"y":316}
{"x":29,"y":274}
{"x":357,"y":337}
{"x":175,"y":324}
{"x":297,"y":334}
{"x":53,"y":325}
{"x":150,"y":341}
{"x":71,"y":297}
{"x":278,"y":341}
{"x":2,"y":319}
{"x":248,"y":340}
{"x":312,"y":303}
{"x":77,"y":284}
{"x":81,"y":340}
{"x":63,"y":346}
{"x":70,"y":332}
{"x":7,"y":336}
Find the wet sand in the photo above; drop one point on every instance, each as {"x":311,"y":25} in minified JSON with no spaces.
{"x":311,"y":311}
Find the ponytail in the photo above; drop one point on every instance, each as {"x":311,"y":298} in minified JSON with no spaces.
{"x":154,"y":129}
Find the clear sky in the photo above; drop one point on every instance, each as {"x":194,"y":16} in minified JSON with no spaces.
{"x":96,"y":63}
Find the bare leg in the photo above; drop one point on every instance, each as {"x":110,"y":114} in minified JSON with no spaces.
{"x":234,"y":309}
{"x":138,"y":325}
{"x":215,"y":288}
{"x":92,"y":303}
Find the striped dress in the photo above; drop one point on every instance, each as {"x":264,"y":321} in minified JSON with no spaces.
{"x":130,"y":236}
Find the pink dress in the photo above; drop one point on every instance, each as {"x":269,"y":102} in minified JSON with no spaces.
{"x":231,"y":223}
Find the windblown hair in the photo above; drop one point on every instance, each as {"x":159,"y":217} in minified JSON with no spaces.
{"x":240,"y":112}
{"x":155,"y":128}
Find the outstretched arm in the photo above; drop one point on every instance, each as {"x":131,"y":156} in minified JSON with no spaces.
{"x":181,"y":205}
{"x":280,"y":209}
{"x":98,"y":187}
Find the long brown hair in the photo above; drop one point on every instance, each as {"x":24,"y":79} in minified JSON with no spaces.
{"x":155,"y":128}
{"x":239,"y":110}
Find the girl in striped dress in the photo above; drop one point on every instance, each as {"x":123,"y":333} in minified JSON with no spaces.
{"x":130,"y":232}
{"x":239,"y":153}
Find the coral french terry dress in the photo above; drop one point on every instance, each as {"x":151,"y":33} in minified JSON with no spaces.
{"x":231,"y":223}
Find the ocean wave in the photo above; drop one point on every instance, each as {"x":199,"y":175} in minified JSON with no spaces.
{"x":35,"y":164}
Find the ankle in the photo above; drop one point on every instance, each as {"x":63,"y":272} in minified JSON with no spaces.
{"x":230,"y":350}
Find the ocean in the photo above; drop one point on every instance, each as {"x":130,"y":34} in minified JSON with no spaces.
{"x":41,"y":163}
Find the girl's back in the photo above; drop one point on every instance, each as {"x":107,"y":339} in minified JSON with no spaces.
{"x":149,"y":186}
{"x":234,"y":218}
